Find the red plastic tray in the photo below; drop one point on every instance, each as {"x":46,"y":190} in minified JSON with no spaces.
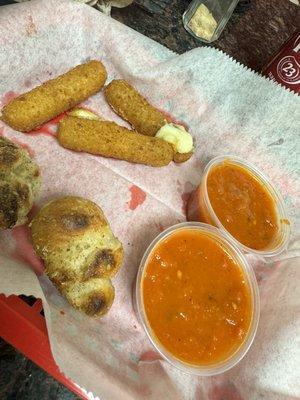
{"x":24,"y":327}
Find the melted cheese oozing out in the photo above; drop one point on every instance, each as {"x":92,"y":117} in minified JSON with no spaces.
{"x":177,"y":136}
{"x":83,"y":113}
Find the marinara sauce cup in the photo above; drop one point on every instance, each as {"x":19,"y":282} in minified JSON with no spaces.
{"x":248,"y":276}
{"x":200,"y":207}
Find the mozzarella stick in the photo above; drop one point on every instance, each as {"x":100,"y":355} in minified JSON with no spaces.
{"x":108,"y":139}
{"x":129,"y":104}
{"x":34,"y":108}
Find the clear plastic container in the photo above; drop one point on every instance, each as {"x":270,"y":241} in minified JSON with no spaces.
{"x":200,"y":209}
{"x":221,"y":12}
{"x":249,"y":276}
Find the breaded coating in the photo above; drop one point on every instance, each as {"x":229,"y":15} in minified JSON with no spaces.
{"x":79,"y":250}
{"x":129,"y":104}
{"x":182,"y":157}
{"x":20,"y":182}
{"x":32,"y":109}
{"x":108,"y":139}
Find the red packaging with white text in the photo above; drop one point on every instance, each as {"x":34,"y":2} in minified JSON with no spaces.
{"x":284,"y":68}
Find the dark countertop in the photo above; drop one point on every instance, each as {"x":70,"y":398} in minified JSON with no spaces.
{"x":21,"y":379}
{"x":252,"y":35}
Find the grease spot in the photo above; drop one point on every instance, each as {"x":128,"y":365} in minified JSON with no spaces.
{"x":160,"y":227}
{"x":199,"y":163}
{"x":116,"y":344}
{"x":150,"y":356}
{"x":30,"y":27}
{"x":8,"y":96}
{"x":27,"y":83}
{"x":138,"y":196}
{"x":134,"y":358}
{"x":285,"y":221}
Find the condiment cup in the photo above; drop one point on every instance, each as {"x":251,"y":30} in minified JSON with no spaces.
{"x":249,"y":276}
{"x":221,"y":11}
{"x":200,"y":208}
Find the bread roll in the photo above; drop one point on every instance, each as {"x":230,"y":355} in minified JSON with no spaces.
{"x":34,"y":108}
{"x":20,"y":182}
{"x":79,"y":250}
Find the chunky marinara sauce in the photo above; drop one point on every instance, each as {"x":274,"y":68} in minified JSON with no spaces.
{"x":243,"y":205}
{"x":196,"y":298}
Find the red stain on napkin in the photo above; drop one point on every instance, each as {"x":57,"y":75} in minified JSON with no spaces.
{"x":224,"y":391}
{"x":24,"y":251}
{"x":138,"y":196}
{"x":160,"y":227}
{"x":7,"y":97}
{"x":23,"y":248}
{"x":25,"y":146}
{"x":50,"y":127}
{"x":150,"y":356}
{"x":185,"y":192}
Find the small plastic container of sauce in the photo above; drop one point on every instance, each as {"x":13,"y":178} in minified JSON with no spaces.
{"x":236,"y":197}
{"x":197,"y":299}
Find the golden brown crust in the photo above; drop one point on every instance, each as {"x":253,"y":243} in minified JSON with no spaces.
{"x":30,"y":110}
{"x":80,"y":252}
{"x":19,"y":184}
{"x":94,"y":297}
{"x":182,"y":157}
{"x":129,"y":104}
{"x":111,"y":140}
{"x":64,"y":219}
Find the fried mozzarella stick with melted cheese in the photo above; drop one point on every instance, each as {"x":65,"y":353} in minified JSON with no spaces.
{"x":129,"y":104}
{"x":108,"y":139}
{"x":32,"y":109}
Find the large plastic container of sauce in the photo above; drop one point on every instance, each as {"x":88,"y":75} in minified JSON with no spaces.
{"x":239,"y":199}
{"x":197,"y":299}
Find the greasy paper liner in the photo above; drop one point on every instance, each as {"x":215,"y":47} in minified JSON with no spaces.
{"x":229,"y":109}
